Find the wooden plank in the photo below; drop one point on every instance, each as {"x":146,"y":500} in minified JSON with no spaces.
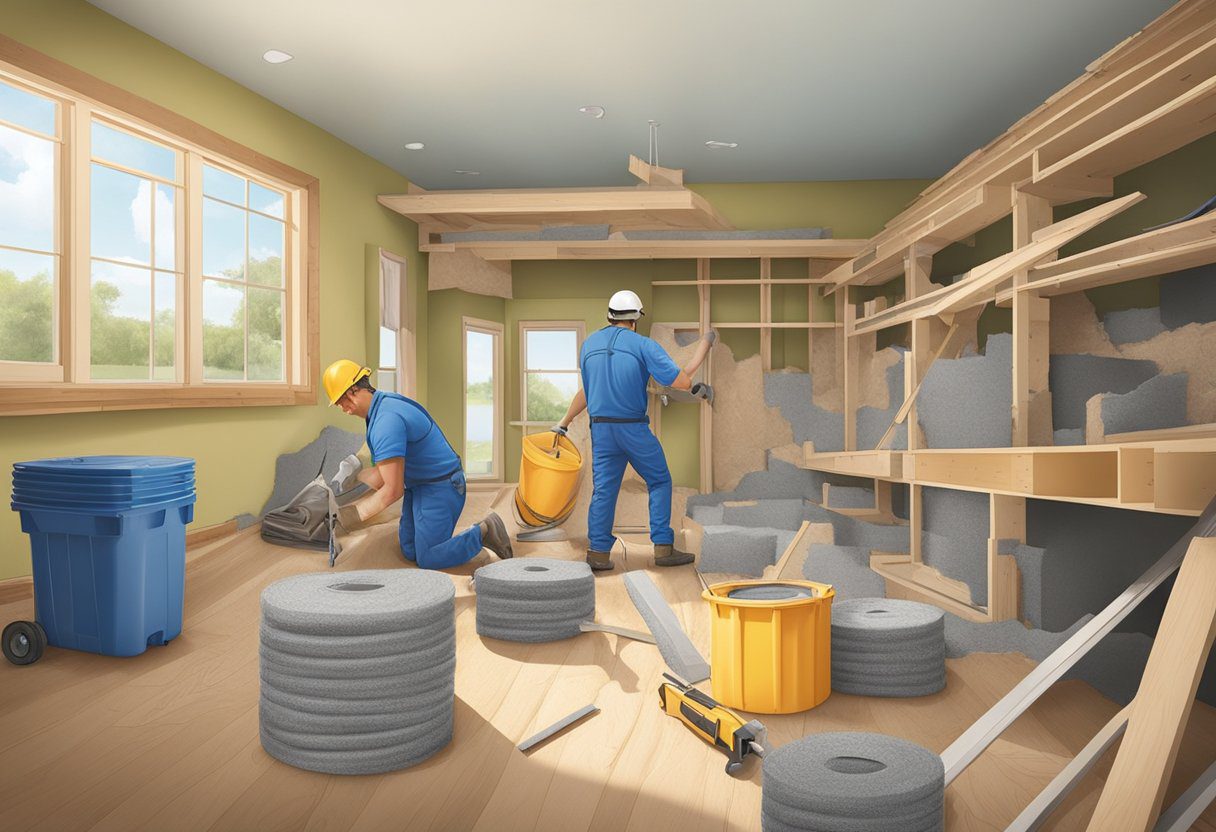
{"x":928,"y":584}
{"x":850,"y":368}
{"x":796,"y":545}
{"x":1132,"y":796}
{"x":655,"y":175}
{"x":1164,"y":434}
{"x":1007,"y":521}
{"x":885,"y":464}
{"x":197,"y":537}
{"x":1057,"y":791}
{"x":706,"y":413}
{"x":766,"y":314}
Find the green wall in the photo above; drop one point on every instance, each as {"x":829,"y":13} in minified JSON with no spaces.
{"x":573,"y":290}
{"x":235,"y":447}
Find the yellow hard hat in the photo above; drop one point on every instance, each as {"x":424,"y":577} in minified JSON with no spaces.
{"x":339,"y":376}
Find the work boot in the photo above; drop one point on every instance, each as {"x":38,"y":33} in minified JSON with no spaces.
{"x":599,"y":561}
{"x":494,"y":536}
{"x":666,"y":554}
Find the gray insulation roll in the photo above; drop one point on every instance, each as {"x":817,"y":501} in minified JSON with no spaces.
{"x":533,"y":599}
{"x":888,"y":647}
{"x":853,"y":782}
{"x":357,"y":669}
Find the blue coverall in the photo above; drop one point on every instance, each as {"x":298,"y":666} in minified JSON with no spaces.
{"x":434,"y":482}
{"x":616,"y":363}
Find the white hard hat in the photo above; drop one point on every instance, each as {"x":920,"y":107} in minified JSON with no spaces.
{"x":625,"y":306}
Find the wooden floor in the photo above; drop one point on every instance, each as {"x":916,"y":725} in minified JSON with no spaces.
{"x":169,"y":740}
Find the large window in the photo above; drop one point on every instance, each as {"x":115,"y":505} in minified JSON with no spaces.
{"x":144,"y":261}
{"x":482,"y":399}
{"x":549,"y":360}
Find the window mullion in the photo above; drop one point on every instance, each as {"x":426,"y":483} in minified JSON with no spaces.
{"x":193,"y":258}
{"x":78,"y":277}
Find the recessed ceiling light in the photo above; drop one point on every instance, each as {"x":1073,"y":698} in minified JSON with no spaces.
{"x":468,"y":172}
{"x":721,"y":145}
{"x":415,"y":146}
{"x":276,"y":56}
{"x":593,"y":110}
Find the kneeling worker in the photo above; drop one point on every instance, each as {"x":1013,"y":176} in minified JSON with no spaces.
{"x":415,"y":463}
{"x":616,"y":363}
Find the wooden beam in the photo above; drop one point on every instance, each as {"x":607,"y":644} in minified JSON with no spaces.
{"x":850,"y":364}
{"x":620,"y":249}
{"x":1007,"y":521}
{"x":655,"y":175}
{"x":982,"y":282}
{"x":1031,"y":320}
{"x":766,"y":314}
{"x":1132,"y":796}
{"x":706,"y":413}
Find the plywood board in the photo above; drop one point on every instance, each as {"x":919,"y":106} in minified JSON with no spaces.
{"x":469,"y":273}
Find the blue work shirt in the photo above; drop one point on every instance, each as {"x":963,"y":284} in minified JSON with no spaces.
{"x":397,"y":426}
{"x":616,"y":363}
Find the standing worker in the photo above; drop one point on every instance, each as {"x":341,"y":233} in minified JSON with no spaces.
{"x":414,"y":463}
{"x":616,"y":363}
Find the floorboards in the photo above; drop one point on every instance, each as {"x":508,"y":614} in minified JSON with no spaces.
{"x":167,"y":741}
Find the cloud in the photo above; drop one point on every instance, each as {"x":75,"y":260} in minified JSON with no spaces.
{"x":141,"y":219}
{"x":27,"y":200}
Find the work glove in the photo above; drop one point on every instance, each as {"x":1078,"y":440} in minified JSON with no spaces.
{"x":710,"y":337}
{"x":560,"y":430}
{"x":345,"y":479}
{"x":348,"y":516}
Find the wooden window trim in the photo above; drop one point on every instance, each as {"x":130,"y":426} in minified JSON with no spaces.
{"x":496,"y":329}
{"x":41,"y":394}
{"x":580,"y":328}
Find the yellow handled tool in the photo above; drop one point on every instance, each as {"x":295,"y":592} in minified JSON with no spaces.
{"x":716,"y":724}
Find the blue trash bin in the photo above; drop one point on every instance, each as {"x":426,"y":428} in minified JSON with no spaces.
{"x":108,"y":544}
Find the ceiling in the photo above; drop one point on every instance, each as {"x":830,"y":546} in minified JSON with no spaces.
{"x":810,"y":90}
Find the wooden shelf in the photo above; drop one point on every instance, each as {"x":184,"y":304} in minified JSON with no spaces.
{"x":751,"y":281}
{"x":927,"y":584}
{"x":651,"y":249}
{"x":1183,"y":246}
{"x":775,"y":325}
{"x":1165,"y":477}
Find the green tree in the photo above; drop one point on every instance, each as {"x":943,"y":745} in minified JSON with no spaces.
{"x":26,"y":318}
{"x":546,"y":401}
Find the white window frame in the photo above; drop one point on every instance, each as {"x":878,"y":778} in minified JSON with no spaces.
{"x":65,"y":385}
{"x":407,"y":346}
{"x":496,"y":330}
{"x":580,"y":329}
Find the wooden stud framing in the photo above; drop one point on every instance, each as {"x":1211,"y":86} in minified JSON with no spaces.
{"x":766,"y":313}
{"x":848,"y":357}
{"x":1007,"y":521}
{"x":707,"y":414}
{"x":1031,"y":321}
{"x":1132,"y":796}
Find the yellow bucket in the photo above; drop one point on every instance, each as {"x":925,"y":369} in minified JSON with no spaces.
{"x":548,"y":479}
{"x":772,"y":644}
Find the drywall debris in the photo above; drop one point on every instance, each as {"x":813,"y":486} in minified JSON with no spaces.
{"x":294,"y":471}
{"x":966,"y":402}
{"x":1130,"y":326}
{"x":1075,"y":378}
{"x":873,"y":421}
{"x":1190,"y":349}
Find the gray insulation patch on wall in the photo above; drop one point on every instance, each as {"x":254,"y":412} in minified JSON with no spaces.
{"x":292,"y":472}
{"x":955,"y":538}
{"x":846,"y":568}
{"x":1030,"y":567}
{"x":847,"y":496}
{"x":791,"y":393}
{"x":773,"y":234}
{"x":1074,"y":379}
{"x":965,"y":402}
{"x":872,"y":422}
{"x":1069,"y":436}
{"x":1159,"y":402}
{"x":707,"y":515}
{"x":1130,"y":326}
{"x":737,"y":550}
{"x":771,"y":514}
{"x":1189,"y":297}
{"x":685,"y":337}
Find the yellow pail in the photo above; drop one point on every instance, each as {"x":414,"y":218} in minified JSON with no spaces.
{"x":772,"y":644}
{"x":548,"y":478}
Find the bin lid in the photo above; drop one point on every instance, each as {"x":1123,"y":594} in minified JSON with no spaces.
{"x":108,"y":466}
{"x":89,"y":502}
{"x":99,"y":509}
{"x":771,"y":592}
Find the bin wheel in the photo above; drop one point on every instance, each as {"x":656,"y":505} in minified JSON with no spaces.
{"x":23,"y":642}
{"x":733,"y":767}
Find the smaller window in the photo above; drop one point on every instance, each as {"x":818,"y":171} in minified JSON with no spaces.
{"x":482,"y":399}
{"x":386,"y":373}
{"x":549,"y":359}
